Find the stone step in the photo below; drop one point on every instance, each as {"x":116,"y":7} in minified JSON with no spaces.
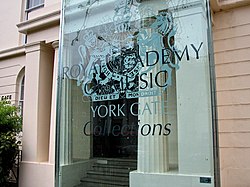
{"x":118,"y":162}
{"x":98,"y":185}
{"x":111,"y":171}
{"x":122,"y":162}
{"x":109,"y":176}
{"x":108,"y":172}
{"x":113,"y":168}
{"x":118,"y":174}
{"x":95,"y":182}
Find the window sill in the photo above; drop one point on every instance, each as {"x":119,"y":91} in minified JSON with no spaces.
{"x":47,"y":20}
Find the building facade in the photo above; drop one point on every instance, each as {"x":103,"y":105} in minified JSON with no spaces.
{"x":211,"y":149}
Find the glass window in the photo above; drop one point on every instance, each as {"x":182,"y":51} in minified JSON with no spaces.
{"x":21,"y":95}
{"x":32,"y":4}
{"x":134,"y":99}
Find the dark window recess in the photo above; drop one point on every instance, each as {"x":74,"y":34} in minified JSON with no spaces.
{"x":206,"y":180}
{"x":21,"y":96}
{"x":115,"y":137}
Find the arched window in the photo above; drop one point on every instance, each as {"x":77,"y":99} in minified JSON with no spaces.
{"x":21,"y":95}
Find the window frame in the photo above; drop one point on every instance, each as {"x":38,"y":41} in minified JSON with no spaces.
{"x":31,"y":8}
{"x":21,"y":95}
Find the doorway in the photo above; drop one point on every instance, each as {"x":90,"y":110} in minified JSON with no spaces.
{"x":115,"y":135}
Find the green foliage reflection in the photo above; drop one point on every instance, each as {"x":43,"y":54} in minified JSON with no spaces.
{"x":10,"y":125}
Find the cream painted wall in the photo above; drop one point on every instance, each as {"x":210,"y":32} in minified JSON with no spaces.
{"x":42,"y":29}
{"x":10,"y":15}
{"x":47,"y":34}
{"x":49,"y":2}
{"x":37,"y":57}
{"x":9,"y":70}
{"x":36,"y":119}
{"x":231,"y":34}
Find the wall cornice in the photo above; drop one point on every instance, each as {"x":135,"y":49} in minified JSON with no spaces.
{"x":40,"y":22}
{"x":221,"y":5}
{"x":38,"y":46}
{"x":12,"y":52}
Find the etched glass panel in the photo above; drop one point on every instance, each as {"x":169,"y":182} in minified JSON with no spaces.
{"x":134,"y":103}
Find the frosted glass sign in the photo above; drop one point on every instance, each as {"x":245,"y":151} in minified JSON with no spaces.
{"x":134,"y":97}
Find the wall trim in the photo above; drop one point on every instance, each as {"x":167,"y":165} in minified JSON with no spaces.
{"x":12,"y":52}
{"x":219,"y":5}
{"x":40,"y":22}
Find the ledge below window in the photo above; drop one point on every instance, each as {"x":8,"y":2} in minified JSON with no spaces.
{"x":37,"y":23}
